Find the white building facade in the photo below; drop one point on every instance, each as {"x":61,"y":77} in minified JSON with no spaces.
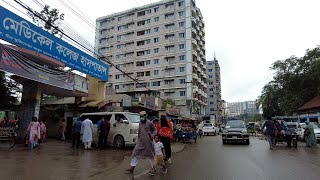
{"x":162,"y":46}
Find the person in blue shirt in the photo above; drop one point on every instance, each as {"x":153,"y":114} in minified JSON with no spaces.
{"x":270,"y":131}
{"x":76,"y":129}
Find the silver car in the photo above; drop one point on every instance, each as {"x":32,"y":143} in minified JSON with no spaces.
{"x":235,"y":131}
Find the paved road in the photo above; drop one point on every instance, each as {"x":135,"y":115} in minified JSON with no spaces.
{"x":209,"y":159}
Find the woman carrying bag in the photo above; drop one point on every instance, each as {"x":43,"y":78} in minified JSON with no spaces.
{"x":165,"y":132}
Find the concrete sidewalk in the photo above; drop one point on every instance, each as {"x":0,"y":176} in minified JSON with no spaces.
{"x":57,"y":160}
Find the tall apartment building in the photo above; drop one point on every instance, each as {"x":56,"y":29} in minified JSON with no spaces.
{"x":162,"y":45}
{"x":214,"y":89}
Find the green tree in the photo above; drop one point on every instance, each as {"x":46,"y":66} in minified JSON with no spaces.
{"x":49,"y":19}
{"x":295,"y":81}
{"x":167,"y":102}
{"x":257,"y":117}
{"x":9,"y":91}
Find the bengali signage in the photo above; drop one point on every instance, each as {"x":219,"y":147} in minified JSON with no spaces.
{"x":81,"y":84}
{"x":173,"y":111}
{"x":18,"y":31}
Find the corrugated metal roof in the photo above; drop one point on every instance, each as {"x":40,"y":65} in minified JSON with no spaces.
{"x":312,"y":104}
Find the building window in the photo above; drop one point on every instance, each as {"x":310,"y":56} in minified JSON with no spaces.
{"x":182,"y":93}
{"x":182,"y":57}
{"x":147,"y":73}
{"x":148,"y":31}
{"x":141,"y":23}
{"x":140,"y":74}
{"x":156,"y":40}
{"x":156,"y":9}
{"x":211,"y":96}
{"x":156,"y":50}
{"x":210,"y":83}
{"x":116,"y":86}
{"x":181,"y":3}
{"x":181,"y":69}
{"x":141,"y":13}
{"x":118,"y":46}
{"x":182,"y":81}
{"x":147,"y":62}
{"x":211,"y":103}
{"x":147,"y":51}
{"x":181,"y":24}
{"x":119,"y":18}
{"x":156,"y":19}
{"x":181,"y":35}
{"x":181,"y":13}
{"x":155,"y":72}
{"x":210,"y":76}
{"x":210,"y":64}
{"x":140,"y":43}
{"x":140,"y":33}
{"x":156,"y":29}
{"x":156,"y":83}
{"x":140,"y":63}
{"x":156,"y":61}
{"x":140,"y":53}
{"x":211,"y":109}
{"x":148,"y":21}
{"x":181,"y":46}
{"x":211,"y":89}
{"x":117,"y":76}
{"x":148,"y":41}
{"x":209,"y":70}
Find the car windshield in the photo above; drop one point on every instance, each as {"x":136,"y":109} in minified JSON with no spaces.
{"x":207,"y":125}
{"x":134,"y":118}
{"x":236,"y":124}
{"x":292,"y":126}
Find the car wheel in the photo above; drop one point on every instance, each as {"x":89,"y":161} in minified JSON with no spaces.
{"x":118,"y":142}
{"x":247,"y":142}
{"x":224,"y":141}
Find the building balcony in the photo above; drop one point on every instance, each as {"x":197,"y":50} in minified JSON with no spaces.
{"x":194,"y":42}
{"x":195,"y":76}
{"x":194,"y":53}
{"x":195,"y":89}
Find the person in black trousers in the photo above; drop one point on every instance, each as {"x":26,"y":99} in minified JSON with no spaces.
{"x":103,"y":133}
{"x":165,"y":132}
{"x":76,"y":129}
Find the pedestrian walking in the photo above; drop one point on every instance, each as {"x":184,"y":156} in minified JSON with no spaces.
{"x":34,"y":132}
{"x":159,"y":154}
{"x":310,"y":137}
{"x":144,"y":147}
{"x":103,"y":133}
{"x":43,"y":131}
{"x":62,"y":129}
{"x":270,"y":131}
{"x":165,"y":132}
{"x":76,"y":130}
{"x":86,"y":131}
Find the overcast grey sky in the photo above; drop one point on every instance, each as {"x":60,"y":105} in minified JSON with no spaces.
{"x":246,"y":35}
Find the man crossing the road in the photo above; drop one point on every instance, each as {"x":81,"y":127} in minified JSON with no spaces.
{"x":269,"y":124}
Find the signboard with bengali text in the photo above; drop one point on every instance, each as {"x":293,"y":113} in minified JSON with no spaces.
{"x":18,"y":31}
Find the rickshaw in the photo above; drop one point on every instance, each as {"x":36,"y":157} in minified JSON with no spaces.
{"x":286,"y":134}
{"x":251,"y":128}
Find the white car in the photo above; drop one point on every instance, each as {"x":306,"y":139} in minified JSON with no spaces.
{"x":298,"y":128}
{"x":316,"y":129}
{"x":209,"y":128}
{"x":123,"y":127}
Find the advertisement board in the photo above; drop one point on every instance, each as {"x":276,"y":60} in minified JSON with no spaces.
{"x":18,"y":31}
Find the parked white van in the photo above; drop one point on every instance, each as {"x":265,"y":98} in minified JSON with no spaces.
{"x":123,"y":127}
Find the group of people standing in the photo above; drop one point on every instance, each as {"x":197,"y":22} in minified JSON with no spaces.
{"x":153,"y":143}
{"x":84,"y":129}
{"x":274,"y":128}
{"x":36,"y":133}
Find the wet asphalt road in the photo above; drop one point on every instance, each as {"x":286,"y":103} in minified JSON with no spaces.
{"x":209,"y":159}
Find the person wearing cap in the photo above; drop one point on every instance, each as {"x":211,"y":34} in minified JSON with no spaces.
{"x":165,"y":132}
{"x":144,"y":147}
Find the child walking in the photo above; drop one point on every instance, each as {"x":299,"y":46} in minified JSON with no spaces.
{"x":159,"y":154}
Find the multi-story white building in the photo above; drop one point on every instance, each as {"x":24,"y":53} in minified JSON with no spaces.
{"x":214,"y":89}
{"x":162,"y":45}
{"x":238,"y":108}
